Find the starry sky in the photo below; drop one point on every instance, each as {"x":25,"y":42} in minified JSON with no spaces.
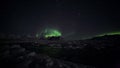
{"x":74,"y":18}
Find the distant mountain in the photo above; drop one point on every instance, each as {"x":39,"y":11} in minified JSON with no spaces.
{"x":107,"y":37}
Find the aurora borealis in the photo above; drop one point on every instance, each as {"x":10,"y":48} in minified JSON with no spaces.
{"x":75,"y":19}
{"x":49,"y":33}
{"x":59,"y":33}
{"x":102,"y":34}
{"x":52,"y":33}
{"x":110,"y":33}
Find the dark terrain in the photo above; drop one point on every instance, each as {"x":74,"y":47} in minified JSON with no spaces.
{"x":98,"y":52}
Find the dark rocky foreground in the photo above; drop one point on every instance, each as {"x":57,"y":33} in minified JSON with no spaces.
{"x":98,"y":52}
{"x":15,"y":56}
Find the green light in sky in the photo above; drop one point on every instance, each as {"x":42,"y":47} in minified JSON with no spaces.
{"x":51,"y":33}
{"x":103,"y":34}
{"x":110,"y":33}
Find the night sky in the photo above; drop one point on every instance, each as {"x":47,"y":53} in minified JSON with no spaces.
{"x":74,"y":18}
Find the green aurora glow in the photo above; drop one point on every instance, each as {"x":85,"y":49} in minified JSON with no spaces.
{"x":103,"y":34}
{"x":110,"y":33}
{"x":50,"y":33}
